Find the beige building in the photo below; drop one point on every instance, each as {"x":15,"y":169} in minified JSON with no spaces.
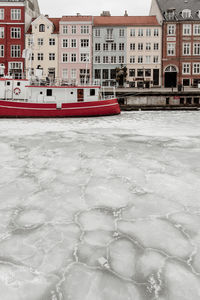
{"x":42,"y":47}
{"x":144,"y":52}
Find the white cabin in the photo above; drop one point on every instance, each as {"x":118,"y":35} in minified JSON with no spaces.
{"x":13,"y":89}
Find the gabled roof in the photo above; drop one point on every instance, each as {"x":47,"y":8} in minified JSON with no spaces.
{"x":55,"y":22}
{"x":179,"y":6}
{"x":126,"y":21}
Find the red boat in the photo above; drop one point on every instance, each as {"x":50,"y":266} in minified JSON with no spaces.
{"x":21,"y":100}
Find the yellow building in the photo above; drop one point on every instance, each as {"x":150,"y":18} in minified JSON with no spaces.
{"x":42,"y":47}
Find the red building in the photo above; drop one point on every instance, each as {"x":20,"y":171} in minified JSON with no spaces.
{"x":15,"y":17}
{"x":181,"y":41}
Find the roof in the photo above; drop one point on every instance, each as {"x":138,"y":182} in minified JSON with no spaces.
{"x":126,"y":21}
{"x":55,"y":22}
{"x":78,"y":18}
{"x":179,"y":6}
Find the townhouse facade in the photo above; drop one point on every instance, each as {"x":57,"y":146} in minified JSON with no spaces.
{"x":42,"y":40}
{"x":75,"y":49}
{"x":181,"y":41}
{"x":109,"y":48}
{"x":144,"y":49}
{"x":15,"y":17}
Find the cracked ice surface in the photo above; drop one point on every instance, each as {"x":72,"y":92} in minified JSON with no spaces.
{"x":100,"y":208}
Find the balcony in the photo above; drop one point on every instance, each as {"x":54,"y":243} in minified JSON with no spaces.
{"x":109,"y":38}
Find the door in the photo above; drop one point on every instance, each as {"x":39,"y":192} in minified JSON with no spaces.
{"x":156,"y":77}
{"x":170,"y":79}
{"x":80,"y":95}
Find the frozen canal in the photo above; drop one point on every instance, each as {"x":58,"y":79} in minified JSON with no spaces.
{"x":101,"y":208}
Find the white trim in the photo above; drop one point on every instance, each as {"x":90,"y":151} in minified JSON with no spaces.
{"x":11,"y":4}
{"x":6,"y":23}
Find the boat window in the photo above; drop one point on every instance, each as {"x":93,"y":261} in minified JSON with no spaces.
{"x":49,"y":92}
{"x":18,"y":83}
{"x":41,"y":93}
{"x":92,"y":92}
{"x":8,"y":83}
{"x":72,"y":93}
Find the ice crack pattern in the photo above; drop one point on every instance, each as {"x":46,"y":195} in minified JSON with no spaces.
{"x":100,"y":208}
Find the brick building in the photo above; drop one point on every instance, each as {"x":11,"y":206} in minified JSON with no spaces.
{"x":15,"y":17}
{"x":181,"y":41}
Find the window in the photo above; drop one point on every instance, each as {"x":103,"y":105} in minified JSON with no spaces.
{"x":147,"y":72}
{"x":73,"y":29}
{"x":121,"y":32}
{"x":15,"y":51}
{"x":196,"y":68}
{"x":64,"y":57}
{"x":109,"y":34}
{"x":155,"y":59}
{"x":148,"y":46}
{"x":49,"y":92}
{"x":65,"y":29}
{"x":97,"y":59}
{"x":1,"y":50}
{"x":73,"y":73}
{"x":112,"y":74}
{"x":196,"y":49}
{"x":156,"y":46}
{"x":113,"y":60}
{"x":186,"y":48}
{"x":30,"y":41}
{"x":15,"y":14}
{"x":64,"y":43}
{"x":84,"y":43}
{"x":52,"y":42}
{"x":148,"y":32}
{"x":105,"y":59}
{"x":148,"y":59}
{"x":85,"y":57}
{"x":105,"y":47}
{"x":97,"y":47}
{"x":40,"y":56}
{"x":105,"y":74}
{"x":121,"y":46}
{"x":40,"y":42}
{"x":132,"y":72}
{"x":156,"y":32}
{"x":140,"y":46}
{"x":187,"y":29}
{"x":171,"y":49}
{"x":73,"y":43}
{"x":52,"y":56}
{"x":140,"y":32}
{"x":97,"y":32}
{"x":2,"y":14}
{"x":132,"y":46}
{"x":121,"y":59}
{"x":15,"y":33}
{"x":42,"y":28}
{"x":92,"y":92}
{"x":132,"y":59}
{"x":113,"y":47}
{"x":97,"y":74}
{"x":73,"y":57}
{"x":64,"y":73}
{"x":140,"y":59}
{"x":196,"y":29}
{"x":84,"y":29}
{"x":171,"y":29}
{"x":186,"y":14}
{"x":140,"y":72}
{"x":185,"y":68}
{"x":132,"y":32}
{"x":1,"y":32}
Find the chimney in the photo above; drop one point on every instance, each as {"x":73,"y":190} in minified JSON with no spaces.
{"x":105,"y":13}
{"x":78,"y":14}
{"x":126,"y":13}
{"x":46,"y":16}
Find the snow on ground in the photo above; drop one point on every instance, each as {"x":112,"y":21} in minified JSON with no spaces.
{"x":100,"y":208}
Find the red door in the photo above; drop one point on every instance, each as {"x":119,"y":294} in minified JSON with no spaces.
{"x":80,"y":95}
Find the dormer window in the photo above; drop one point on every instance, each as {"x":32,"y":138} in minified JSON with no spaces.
{"x":186,"y":14}
{"x":42,"y":28}
{"x":198,"y":13}
{"x":170,"y":14}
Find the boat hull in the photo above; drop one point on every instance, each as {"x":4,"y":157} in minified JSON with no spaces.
{"x":17,"y":109}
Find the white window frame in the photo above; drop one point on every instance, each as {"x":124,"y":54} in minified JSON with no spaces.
{"x":65,"y":29}
{"x":196,"y":68}
{"x":65,"y":73}
{"x":186,"y":49}
{"x":15,"y":14}
{"x":2,"y":14}
{"x":52,"y":42}
{"x":196,"y":29}
{"x":171,"y":29}
{"x":64,"y":57}
{"x":196,"y":49}
{"x":74,"y":29}
{"x":40,"y":56}
{"x":2,"y":51}
{"x":171,"y":49}
{"x":85,"y":29}
{"x":65,"y":43}
{"x":187,"y":29}
{"x":84,"y":43}
{"x":132,"y":59}
{"x":40,"y":41}
{"x":73,"y":58}
{"x":73,"y":43}
{"x":15,"y":51}
{"x":186,"y":68}
{"x":15,"y":33}
{"x":2,"y":32}
{"x":52,"y":56}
